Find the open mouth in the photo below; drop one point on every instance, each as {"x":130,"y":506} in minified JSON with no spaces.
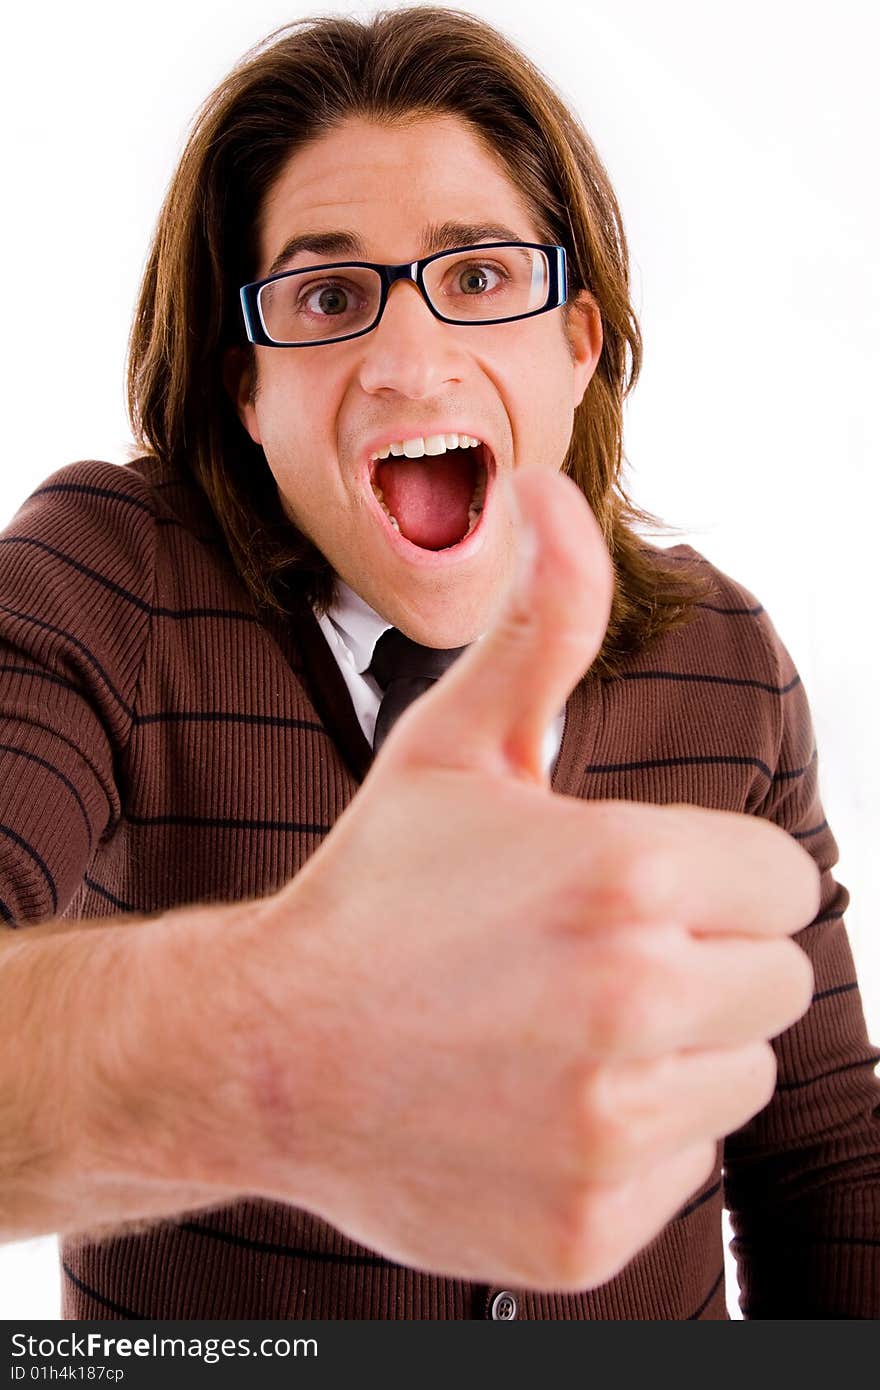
{"x":434,"y":501}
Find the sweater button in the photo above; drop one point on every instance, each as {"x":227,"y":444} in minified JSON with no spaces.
{"x":504,"y":1306}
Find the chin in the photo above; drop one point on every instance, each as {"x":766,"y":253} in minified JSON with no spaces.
{"x":443,"y":628}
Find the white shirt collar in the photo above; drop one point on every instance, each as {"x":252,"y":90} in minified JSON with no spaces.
{"x":358,"y":626}
{"x":352,"y":628}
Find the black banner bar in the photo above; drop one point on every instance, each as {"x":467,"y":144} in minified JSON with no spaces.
{"x":195,"y":1354}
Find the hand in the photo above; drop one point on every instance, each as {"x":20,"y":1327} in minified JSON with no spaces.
{"x":522,"y":1021}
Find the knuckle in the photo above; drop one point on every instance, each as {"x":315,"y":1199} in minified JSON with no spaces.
{"x":690,"y":1169}
{"x":653,"y":881}
{"x":630,"y":1007}
{"x":647,"y":883}
{"x":634,"y":882}
{"x":803,"y":968}
{"x":771,"y":1071}
{"x":642,"y":1007}
{"x":591,"y":1108}
{"x":602,"y":1014}
{"x":702,"y":1163}
{"x":799,"y":983}
{"x":813,"y":887}
{"x":809,"y":874}
{"x":602,"y":1131}
{"x":794,"y":865}
{"x":515,"y":626}
{"x":577,"y":1242}
{"x":601,"y":1234}
{"x":761,"y":1072}
{"x":619,"y":983}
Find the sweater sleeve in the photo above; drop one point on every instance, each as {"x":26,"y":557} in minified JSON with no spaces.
{"x":802,"y":1178}
{"x":77,"y":567}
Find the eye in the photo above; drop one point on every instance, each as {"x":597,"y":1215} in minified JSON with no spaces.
{"x":477,"y":279}
{"x":326,"y":299}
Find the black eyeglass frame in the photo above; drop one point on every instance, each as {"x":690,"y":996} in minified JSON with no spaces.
{"x":414,"y":271}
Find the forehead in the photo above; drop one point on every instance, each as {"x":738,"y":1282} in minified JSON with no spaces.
{"x":387,"y":184}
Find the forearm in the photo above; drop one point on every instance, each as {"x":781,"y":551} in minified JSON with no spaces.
{"x":126,"y":1068}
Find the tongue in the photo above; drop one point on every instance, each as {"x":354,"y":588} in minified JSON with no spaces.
{"x":430,"y":497}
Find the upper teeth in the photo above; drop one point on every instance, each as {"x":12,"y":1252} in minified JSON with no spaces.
{"x":426,"y":444}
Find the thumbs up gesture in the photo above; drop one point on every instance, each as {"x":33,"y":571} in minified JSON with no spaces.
{"x":522,"y":1021}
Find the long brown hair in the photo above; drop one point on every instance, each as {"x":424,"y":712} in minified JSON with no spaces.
{"x":297,"y":84}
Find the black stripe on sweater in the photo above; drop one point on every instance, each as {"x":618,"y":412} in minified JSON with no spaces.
{"x":99,"y":578}
{"x":796,"y":771}
{"x":38,"y":860}
{"x":50,"y":767}
{"x":42,"y":675}
{"x":228,"y":716}
{"x":162,"y":716}
{"x":56,"y":733}
{"x":704,"y":677}
{"x":837,"y":989}
{"x":93,"y":660}
{"x":125,"y":594}
{"x":231,"y":823}
{"x":708,"y":1299}
{"x":102,"y":1298}
{"x":644,"y":764}
{"x":110,"y":897}
{"x":93,"y":490}
{"x":698,"y":1201}
{"x":823,"y":1075}
{"x":270,"y":1247}
{"x":74,"y":642}
{"x":733,"y":612}
{"x":70,"y":743}
{"x":805,"y":834}
{"x":329,"y":1256}
{"x":824,"y":917}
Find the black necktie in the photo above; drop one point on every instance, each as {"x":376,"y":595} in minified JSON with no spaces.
{"x":404,"y":670}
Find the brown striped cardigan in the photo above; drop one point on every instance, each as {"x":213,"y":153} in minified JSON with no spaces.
{"x":188,"y":750}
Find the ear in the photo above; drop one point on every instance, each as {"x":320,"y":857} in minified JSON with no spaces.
{"x":239,"y":370}
{"x":584,"y":331}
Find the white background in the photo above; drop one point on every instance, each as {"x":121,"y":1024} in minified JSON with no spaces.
{"x":741,"y":140}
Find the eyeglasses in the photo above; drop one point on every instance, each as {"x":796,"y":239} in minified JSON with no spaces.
{"x":330,"y":303}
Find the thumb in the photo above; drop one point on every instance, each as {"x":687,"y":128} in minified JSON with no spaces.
{"x":491,"y":709}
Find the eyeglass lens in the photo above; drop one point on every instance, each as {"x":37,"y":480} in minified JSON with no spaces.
{"x":316,"y":304}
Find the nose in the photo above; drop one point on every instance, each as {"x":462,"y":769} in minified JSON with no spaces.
{"x":409,"y":351}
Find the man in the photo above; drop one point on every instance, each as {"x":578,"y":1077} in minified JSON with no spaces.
{"x":491,"y":1026}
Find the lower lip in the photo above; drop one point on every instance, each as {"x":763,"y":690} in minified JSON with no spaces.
{"x":451,"y":554}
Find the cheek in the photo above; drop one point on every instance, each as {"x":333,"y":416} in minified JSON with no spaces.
{"x":297,"y":416}
{"x":293,"y":406}
{"x":539,"y":395}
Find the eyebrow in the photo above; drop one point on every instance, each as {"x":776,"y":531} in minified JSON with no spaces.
{"x":437,"y":236}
